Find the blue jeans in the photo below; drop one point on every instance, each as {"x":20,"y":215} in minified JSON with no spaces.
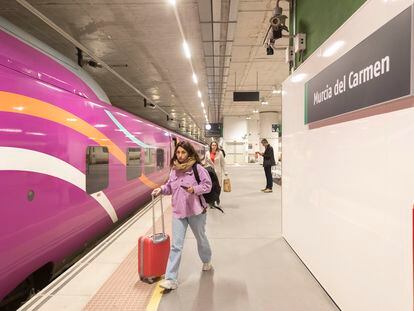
{"x":179,"y":228}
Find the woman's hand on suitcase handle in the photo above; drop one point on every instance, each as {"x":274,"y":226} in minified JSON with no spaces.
{"x":156,"y":192}
{"x":190,"y":190}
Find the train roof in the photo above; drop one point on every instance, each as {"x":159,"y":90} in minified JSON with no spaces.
{"x":70,"y":65}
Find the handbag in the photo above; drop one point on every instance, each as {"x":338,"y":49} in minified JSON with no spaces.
{"x":226,"y":185}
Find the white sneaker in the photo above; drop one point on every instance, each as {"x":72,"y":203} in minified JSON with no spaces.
{"x":169,"y":284}
{"x":207,"y":266}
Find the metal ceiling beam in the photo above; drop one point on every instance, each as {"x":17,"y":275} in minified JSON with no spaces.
{"x":258,"y":61}
{"x":210,"y":41}
{"x":280,"y":47}
{"x":261,"y":10}
{"x":212,"y":67}
{"x":221,"y":56}
{"x":218,"y":22}
{"x":77,"y":44}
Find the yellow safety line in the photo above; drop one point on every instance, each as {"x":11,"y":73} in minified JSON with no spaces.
{"x":155,"y":298}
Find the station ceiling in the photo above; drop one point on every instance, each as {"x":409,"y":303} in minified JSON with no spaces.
{"x":142,"y":40}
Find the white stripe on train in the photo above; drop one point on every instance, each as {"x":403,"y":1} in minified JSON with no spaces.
{"x":19,"y":159}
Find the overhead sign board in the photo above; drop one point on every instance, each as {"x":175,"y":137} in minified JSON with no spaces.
{"x":216,"y":130}
{"x":246,"y":96}
{"x":376,"y":70}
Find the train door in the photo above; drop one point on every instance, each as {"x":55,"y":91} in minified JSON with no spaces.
{"x":174,"y":143}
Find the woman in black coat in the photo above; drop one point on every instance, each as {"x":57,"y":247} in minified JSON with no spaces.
{"x":268,"y":162}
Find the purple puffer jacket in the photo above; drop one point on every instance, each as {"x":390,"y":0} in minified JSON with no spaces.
{"x":187,"y":204}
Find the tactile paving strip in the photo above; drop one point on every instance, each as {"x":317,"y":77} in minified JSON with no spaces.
{"x":123,"y":290}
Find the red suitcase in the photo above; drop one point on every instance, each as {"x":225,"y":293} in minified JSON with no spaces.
{"x":153,"y":251}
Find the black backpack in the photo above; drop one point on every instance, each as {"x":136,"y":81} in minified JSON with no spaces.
{"x":215,"y":191}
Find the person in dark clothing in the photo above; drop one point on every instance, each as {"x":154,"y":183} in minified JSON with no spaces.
{"x":268,"y":162}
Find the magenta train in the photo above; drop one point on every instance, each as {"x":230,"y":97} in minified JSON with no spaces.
{"x":71,"y":165}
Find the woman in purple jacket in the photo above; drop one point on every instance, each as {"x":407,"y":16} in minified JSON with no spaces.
{"x":189,"y":208}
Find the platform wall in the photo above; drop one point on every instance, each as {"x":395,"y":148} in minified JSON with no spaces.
{"x":348,"y":187}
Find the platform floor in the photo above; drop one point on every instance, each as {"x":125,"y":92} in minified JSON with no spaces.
{"x":254,"y":267}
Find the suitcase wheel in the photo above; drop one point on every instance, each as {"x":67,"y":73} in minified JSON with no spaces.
{"x":147,"y":280}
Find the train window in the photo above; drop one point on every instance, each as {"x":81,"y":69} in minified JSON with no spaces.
{"x":97,"y":168}
{"x":175,"y":141}
{"x":133,"y":158}
{"x":160,"y":158}
{"x":201,"y":153}
{"x":150,"y":157}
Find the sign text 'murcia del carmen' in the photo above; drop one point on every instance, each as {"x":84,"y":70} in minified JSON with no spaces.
{"x":376,"y":70}
{"x":353,"y":79}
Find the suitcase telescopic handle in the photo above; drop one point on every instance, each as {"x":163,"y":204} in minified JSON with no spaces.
{"x":153,"y":215}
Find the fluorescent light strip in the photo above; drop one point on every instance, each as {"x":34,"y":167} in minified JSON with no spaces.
{"x":185,"y":44}
{"x":186,"y":48}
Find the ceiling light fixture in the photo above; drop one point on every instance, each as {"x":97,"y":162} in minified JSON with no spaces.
{"x":199,"y":94}
{"x":276,"y":90}
{"x":171,"y":2}
{"x":202,"y":104}
{"x":195,"y":80}
{"x":263,"y":101}
{"x":186,"y":48}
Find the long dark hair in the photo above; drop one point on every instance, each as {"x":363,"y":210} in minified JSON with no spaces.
{"x":187,"y":147}
{"x":211,"y":144}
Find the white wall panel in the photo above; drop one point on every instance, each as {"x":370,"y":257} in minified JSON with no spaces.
{"x":348,"y":188}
